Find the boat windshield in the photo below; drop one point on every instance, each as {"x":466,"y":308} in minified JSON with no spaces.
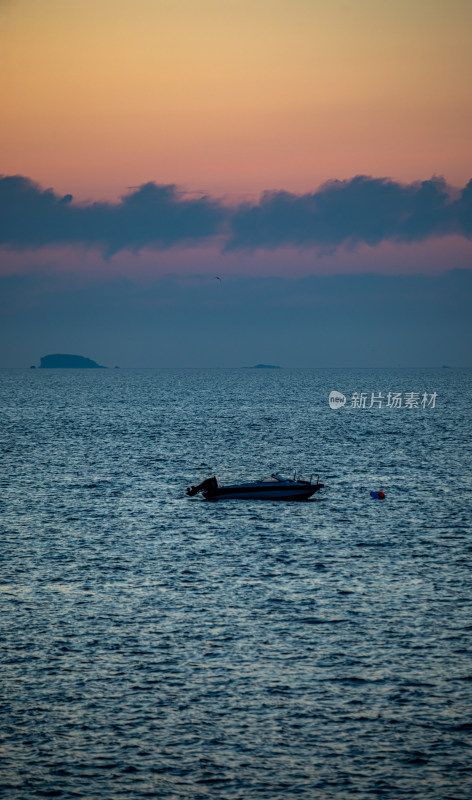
{"x":275,"y":478}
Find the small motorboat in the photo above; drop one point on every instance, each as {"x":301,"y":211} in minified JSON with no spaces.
{"x":275,"y":487}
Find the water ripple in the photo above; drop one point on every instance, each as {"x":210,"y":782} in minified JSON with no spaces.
{"x":154,"y":646}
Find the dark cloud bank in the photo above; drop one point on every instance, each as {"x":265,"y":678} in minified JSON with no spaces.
{"x":362,"y":210}
{"x":150,"y":216}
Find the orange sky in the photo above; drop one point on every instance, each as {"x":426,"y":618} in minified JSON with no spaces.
{"x":233,"y":96}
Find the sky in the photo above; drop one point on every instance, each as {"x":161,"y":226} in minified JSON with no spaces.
{"x":225,"y":182}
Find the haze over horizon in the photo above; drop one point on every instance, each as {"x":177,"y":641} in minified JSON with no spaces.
{"x":315,"y":156}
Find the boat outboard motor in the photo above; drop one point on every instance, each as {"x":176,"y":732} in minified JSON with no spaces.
{"x":210,"y":483}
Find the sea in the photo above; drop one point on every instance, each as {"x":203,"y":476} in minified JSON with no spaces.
{"x":158,"y":646}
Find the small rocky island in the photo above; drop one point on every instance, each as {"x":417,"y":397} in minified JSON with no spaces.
{"x":65,"y":361}
{"x":265,"y":366}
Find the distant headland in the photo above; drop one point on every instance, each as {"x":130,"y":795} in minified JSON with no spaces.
{"x":265,"y":366}
{"x":65,"y":361}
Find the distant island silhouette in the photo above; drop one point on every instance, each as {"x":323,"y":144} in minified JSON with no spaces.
{"x":65,"y":361}
{"x":265,"y":366}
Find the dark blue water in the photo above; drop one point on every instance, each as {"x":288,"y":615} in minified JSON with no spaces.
{"x":157,"y":646}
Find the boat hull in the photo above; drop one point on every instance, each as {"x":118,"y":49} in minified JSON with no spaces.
{"x":263,"y":492}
